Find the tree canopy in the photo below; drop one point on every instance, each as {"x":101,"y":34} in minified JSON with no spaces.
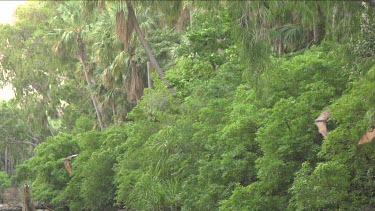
{"x":179,"y":105}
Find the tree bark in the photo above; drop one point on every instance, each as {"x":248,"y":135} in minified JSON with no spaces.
{"x":27,"y":202}
{"x":182,"y":20}
{"x":309,"y":37}
{"x":147,"y":48}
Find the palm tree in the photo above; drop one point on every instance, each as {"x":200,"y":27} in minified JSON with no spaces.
{"x":124,"y":29}
{"x":71,"y":38}
{"x":132,"y":22}
{"x":113,"y":54}
{"x":116,"y":61}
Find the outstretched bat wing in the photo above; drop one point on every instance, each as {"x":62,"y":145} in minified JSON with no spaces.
{"x":322,"y":127}
{"x":66,"y":163}
{"x":67,"y":166}
{"x":368,"y":136}
{"x":70,"y":157}
{"x":321,"y":123}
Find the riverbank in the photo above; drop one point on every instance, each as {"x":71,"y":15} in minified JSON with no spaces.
{"x":5,"y":207}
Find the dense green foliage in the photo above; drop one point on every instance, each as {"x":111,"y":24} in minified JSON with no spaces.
{"x":4,"y":180}
{"x":5,"y":183}
{"x":238,"y":133}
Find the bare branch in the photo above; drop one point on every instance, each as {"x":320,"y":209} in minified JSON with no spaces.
{"x":22,"y":142}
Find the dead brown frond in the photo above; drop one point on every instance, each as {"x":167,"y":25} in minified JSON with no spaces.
{"x":124,"y":29}
{"x":134,"y":86}
{"x":121,"y":26}
{"x":58,"y":49}
{"x":107,"y":79}
{"x":101,"y":5}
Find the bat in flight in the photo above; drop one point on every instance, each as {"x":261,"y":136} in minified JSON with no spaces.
{"x":66,"y":163}
{"x":368,"y":136}
{"x":321,"y":123}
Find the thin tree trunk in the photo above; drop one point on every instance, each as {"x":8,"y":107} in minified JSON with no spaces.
{"x":93,"y":99}
{"x":113,"y":105}
{"x":147,"y":48}
{"x":149,"y":81}
{"x":11,"y":169}
{"x":281,"y":46}
{"x":6,"y":160}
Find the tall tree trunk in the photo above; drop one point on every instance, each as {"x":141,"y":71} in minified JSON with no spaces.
{"x":182,"y":20}
{"x":82,"y":58}
{"x":26,"y":199}
{"x":309,"y":37}
{"x":319,"y":26}
{"x":147,"y":48}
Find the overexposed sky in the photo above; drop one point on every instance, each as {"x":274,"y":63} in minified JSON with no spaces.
{"x":7,"y":9}
{"x":6,"y":93}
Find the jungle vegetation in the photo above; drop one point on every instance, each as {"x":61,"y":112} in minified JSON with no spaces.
{"x":190,"y":105}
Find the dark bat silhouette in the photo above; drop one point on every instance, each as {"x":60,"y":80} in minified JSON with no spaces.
{"x":368,"y":136}
{"x":321,"y":123}
{"x":66,"y":163}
